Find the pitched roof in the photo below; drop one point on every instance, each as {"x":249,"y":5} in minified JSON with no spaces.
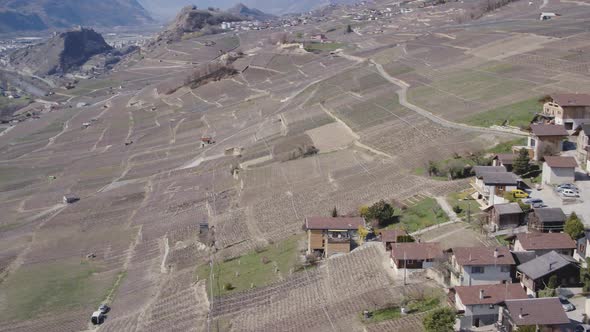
{"x":492,"y":294}
{"x":545,"y":241}
{"x":548,"y":130}
{"x":508,"y":208}
{"x":390,"y":235}
{"x":561,"y":162}
{"x":506,"y":158}
{"x":541,"y":311}
{"x":545,"y":264}
{"x":522,"y":257}
{"x":334,"y":223}
{"x":549,"y":214}
{"x":500,"y":178}
{"x":481,"y":170}
{"x":571,"y":99}
{"x":466,"y":256}
{"x":416,"y":250}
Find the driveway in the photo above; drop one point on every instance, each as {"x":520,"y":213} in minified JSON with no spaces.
{"x":579,"y":206}
{"x":576,"y":315}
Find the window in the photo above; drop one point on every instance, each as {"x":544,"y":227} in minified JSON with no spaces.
{"x":505,"y":268}
{"x":477,"y":269}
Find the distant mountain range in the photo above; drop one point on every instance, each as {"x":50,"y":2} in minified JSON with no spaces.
{"x":167,"y":9}
{"x":31,"y":15}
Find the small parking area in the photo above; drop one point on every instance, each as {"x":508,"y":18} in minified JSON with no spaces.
{"x":580,"y":206}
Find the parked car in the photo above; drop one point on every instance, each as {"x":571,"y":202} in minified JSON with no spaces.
{"x":565,"y":186}
{"x":519,"y":193}
{"x":582,"y":328}
{"x":533,"y":201}
{"x":104,"y":308}
{"x":566,"y":304}
{"x":97,"y":317}
{"x":570,"y":193}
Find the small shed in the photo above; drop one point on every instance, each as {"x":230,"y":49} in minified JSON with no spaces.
{"x":559,"y":170}
{"x":547,"y":220}
{"x":391,"y":236}
{"x":506,"y":215}
{"x":504,"y":159}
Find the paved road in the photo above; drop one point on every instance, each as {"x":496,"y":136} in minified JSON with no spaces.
{"x":402,"y":93}
{"x":447,"y":208}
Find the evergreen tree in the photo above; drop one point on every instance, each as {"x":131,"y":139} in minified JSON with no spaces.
{"x":521,"y":163}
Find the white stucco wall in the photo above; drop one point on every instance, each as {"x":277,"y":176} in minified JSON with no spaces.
{"x":492,"y":275}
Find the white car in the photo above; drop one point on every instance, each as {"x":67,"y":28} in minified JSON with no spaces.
{"x":97,"y":317}
{"x":569,"y":193}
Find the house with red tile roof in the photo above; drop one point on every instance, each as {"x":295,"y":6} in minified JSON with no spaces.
{"x":542,"y":243}
{"x":415,"y":255}
{"x":546,"y":139}
{"x":481,"y":266}
{"x":331,"y":235}
{"x":479,"y":304}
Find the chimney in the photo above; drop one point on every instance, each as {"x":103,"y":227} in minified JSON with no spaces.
{"x":496,"y":253}
{"x":481,"y":294}
{"x":550,"y":266}
{"x":520,"y":314}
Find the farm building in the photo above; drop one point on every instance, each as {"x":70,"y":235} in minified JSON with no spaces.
{"x":545,"y":314}
{"x":542,"y":243}
{"x":534,"y":275}
{"x":546,"y":139}
{"x":481,"y":266}
{"x":415,"y":255}
{"x":332,"y":235}
{"x":569,"y":109}
{"x":391,"y":236}
{"x":559,"y":170}
{"x":546,"y":220}
{"x":505,"y":215}
{"x":480,"y":304}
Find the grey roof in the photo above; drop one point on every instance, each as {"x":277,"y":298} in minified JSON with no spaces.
{"x":481,"y":170}
{"x":508,"y":208}
{"x":546,"y":264}
{"x":522,"y":257}
{"x":500,"y":178}
{"x":550,"y":214}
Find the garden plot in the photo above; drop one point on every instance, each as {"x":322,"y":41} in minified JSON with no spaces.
{"x":331,"y":137}
{"x":312,"y":303}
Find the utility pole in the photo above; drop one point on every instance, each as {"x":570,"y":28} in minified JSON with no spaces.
{"x":469,"y":211}
{"x":405,"y":268}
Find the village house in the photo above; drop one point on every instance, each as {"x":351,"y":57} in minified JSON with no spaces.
{"x":505,"y":215}
{"x":415,"y":255}
{"x":332,"y":235}
{"x":391,"y":236}
{"x":478,"y":305}
{"x":546,"y":220}
{"x":480,"y":266}
{"x":542,"y":243}
{"x":583,"y":143}
{"x":492,"y":182}
{"x":582,"y":246}
{"x":534,"y":275}
{"x":70,"y":198}
{"x":569,"y":109}
{"x":546,"y":314}
{"x":319,"y":37}
{"x":504,"y":159}
{"x":546,"y":139}
{"x":558,"y":170}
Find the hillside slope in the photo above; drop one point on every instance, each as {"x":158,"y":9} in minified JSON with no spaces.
{"x":23,"y":15}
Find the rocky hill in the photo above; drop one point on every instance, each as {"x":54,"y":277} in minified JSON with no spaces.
{"x":24,"y":15}
{"x":193,"y":20}
{"x":250,"y":13}
{"x":61,"y":54}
